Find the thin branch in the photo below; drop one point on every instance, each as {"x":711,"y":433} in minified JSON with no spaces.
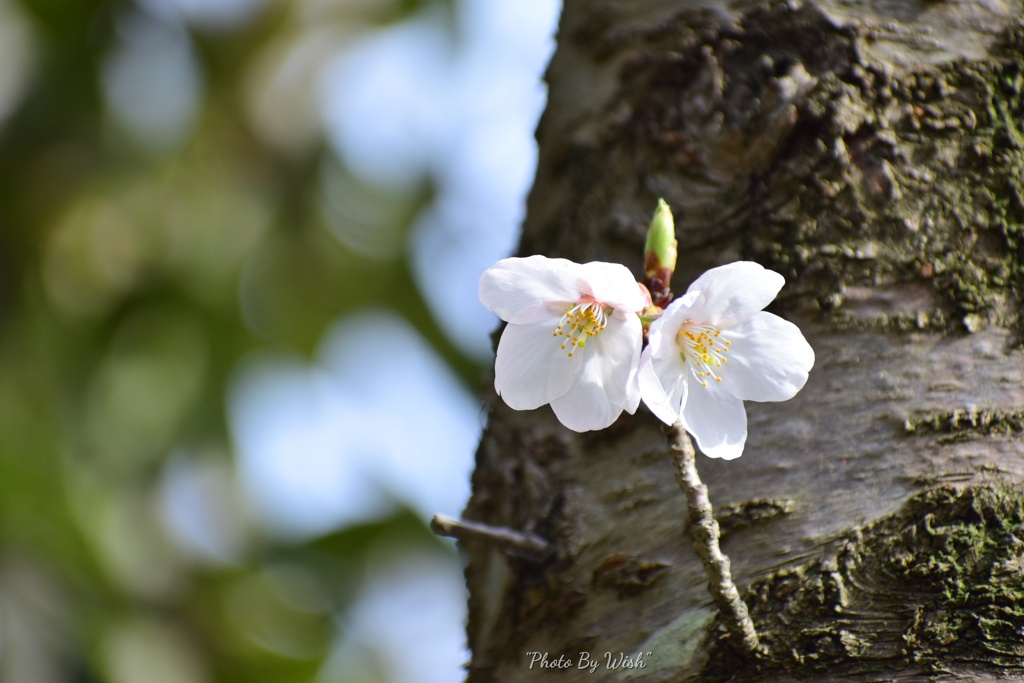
{"x":705,"y":541}
{"x":498,"y":535}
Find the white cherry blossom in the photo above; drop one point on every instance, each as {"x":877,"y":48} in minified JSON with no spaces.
{"x":713,"y":348}
{"x":573,"y":337}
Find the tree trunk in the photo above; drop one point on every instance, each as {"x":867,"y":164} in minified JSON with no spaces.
{"x":872,"y":153}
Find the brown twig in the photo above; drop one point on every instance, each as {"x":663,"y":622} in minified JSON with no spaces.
{"x":498,"y":535}
{"x":705,"y":541}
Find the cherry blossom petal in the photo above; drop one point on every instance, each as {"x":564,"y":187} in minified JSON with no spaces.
{"x":613,"y":284}
{"x":530,"y":369}
{"x":592,"y":309}
{"x":734,"y":292}
{"x":768,"y":361}
{"x":714,"y":348}
{"x":666,"y":404}
{"x":717,"y":420}
{"x":531,"y":289}
{"x":586,"y":406}
{"x":678,"y":388}
{"x":617,"y":351}
{"x":662,"y":332}
{"x":633,"y":398}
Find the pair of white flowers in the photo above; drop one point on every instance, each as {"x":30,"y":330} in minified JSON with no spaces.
{"x":574,"y":340}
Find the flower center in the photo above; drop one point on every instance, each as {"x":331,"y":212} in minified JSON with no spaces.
{"x":585,"y":319}
{"x":703,"y":349}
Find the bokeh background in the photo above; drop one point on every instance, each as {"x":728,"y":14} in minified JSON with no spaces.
{"x":240,"y":345}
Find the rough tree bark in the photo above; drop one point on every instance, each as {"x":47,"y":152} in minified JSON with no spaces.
{"x":872,"y":152}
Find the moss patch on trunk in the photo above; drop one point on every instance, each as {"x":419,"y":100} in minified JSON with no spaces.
{"x":936,"y":588}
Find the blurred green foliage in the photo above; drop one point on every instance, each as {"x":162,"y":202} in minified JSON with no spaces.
{"x":134,"y":274}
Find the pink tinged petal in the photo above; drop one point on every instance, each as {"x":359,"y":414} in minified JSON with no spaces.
{"x":586,"y":406}
{"x":717,"y":421}
{"x":531,"y":369}
{"x":532,"y":289}
{"x":768,"y":361}
{"x":734,"y":292}
{"x":613,"y":284}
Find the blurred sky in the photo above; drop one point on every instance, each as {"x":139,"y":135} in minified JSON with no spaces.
{"x":428,"y":117}
{"x":378,"y":418}
{"x":400,"y":104}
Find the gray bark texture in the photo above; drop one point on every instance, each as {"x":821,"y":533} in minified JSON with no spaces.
{"x":872,"y":152}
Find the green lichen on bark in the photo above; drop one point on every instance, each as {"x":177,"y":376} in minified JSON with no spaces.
{"x":916,"y":173}
{"x":936,"y":587}
{"x":967,"y":423}
{"x":752,"y":512}
{"x":819,"y":161}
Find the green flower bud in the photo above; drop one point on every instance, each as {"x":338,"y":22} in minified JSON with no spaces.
{"x":660,"y":251}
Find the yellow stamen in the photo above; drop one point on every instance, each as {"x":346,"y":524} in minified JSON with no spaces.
{"x":702,"y":350}
{"x":584,"y":319}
